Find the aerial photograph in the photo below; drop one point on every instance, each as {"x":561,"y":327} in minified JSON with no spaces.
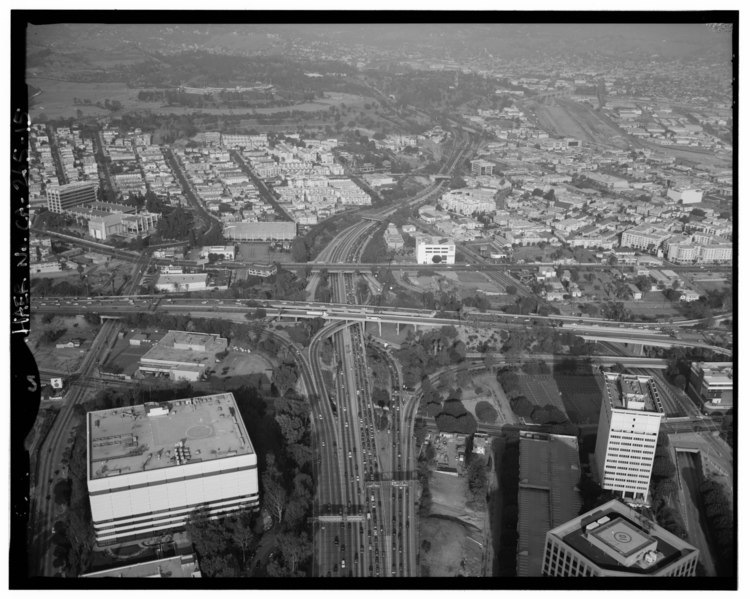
{"x":450,"y":303}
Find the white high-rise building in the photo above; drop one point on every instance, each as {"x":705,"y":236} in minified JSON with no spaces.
{"x":628,"y":429}
{"x":150,"y":466}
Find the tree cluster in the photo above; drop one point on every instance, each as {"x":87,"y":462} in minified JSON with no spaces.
{"x":476,"y":480}
{"x":424,"y":354}
{"x":519,"y":403}
{"x":455,"y":418}
{"x":718,"y":511}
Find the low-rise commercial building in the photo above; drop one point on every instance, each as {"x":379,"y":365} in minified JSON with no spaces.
{"x":712,"y":383}
{"x":435,"y":250}
{"x":227,"y":252}
{"x":182,"y":355}
{"x":182,"y":282}
{"x":261,"y":231}
{"x":393,"y":238}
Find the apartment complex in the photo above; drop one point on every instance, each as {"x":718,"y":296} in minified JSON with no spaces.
{"x":628,"y":429}
{"x":644,"y":237}
{"x":433,"y":250}
{"x":683,"y":249}
{"x":469,"y":200}
{"x":615,"y":540}
{"x":150,"y":466}
{"x":62,"y":197}
{"x":181,"y":355}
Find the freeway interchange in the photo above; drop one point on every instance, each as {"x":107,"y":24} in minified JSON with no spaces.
{"x":364,"y":514}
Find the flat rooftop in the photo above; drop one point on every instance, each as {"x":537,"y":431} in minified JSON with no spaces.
{"x":434,"y":240}
{"x":169,"y":567}
{"x":549,"y":473}
{"x":182,"y":278}
{"x":185,"y":349}
{"x":632,"y":392}
{"x":621,"y":546}
{"x":146,"y":437}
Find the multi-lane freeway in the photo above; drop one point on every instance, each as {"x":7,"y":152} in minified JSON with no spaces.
{"x":589,"y":329}
{"x":47,"y":460}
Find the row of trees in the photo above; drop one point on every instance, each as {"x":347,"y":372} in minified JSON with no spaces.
{"x":718,"y":511}
{"x":664,"y":489}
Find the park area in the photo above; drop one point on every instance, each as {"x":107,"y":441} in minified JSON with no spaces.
{"x":486,"y":400}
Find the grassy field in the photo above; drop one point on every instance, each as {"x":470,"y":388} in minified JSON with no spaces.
{"x":581,"y":396}
{"x":542,"y":390}
{"x":56,"y":99}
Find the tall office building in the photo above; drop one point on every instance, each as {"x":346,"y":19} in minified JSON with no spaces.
{"x":628,"y":429}
{"x":150,"y":466}
{"x":615,"y":540}
{"x":62,"y":197}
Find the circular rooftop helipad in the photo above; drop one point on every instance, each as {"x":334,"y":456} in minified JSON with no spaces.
{"x":200,"y":431}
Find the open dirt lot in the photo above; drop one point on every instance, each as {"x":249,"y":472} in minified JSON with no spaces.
{"x":452,"y":534}
{"x":47,"y":356}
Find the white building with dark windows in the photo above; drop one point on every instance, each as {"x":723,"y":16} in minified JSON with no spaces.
{"x":150,"y":466}
{"x":629,"y":423}
{"x":615,"y":540}
{"x":434,"y":250}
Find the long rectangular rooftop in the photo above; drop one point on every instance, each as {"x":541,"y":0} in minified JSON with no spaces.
{"x":632,"y":392}
{"x":152,"y":436}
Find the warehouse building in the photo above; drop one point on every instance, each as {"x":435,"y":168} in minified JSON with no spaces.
{"x":182,"y":356}
{"x":549,"y":474}
{"x":261,"y":231}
